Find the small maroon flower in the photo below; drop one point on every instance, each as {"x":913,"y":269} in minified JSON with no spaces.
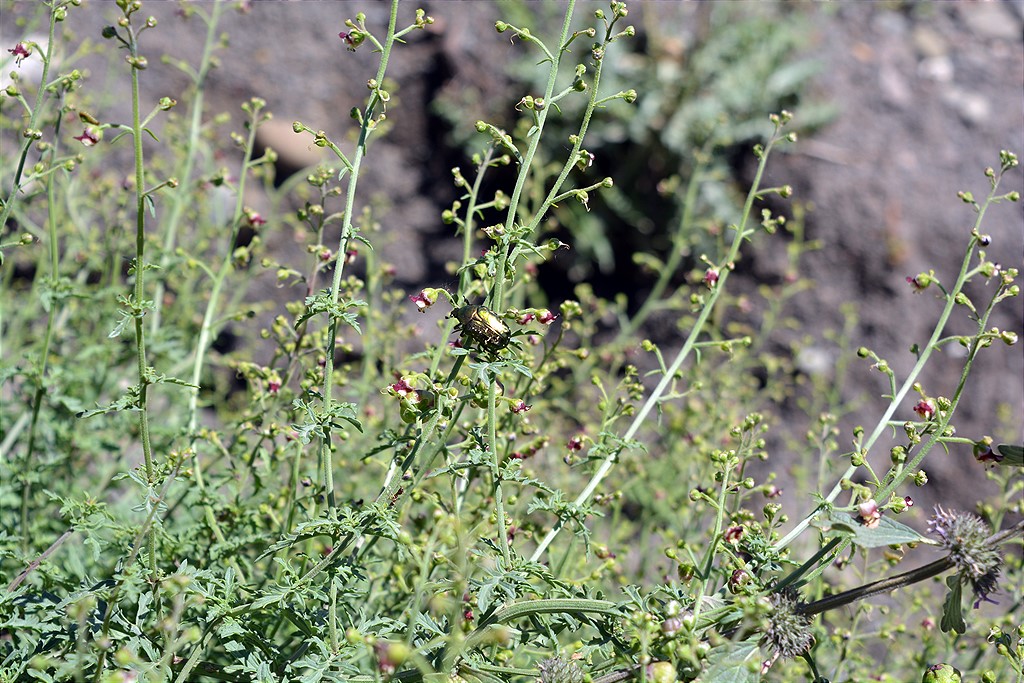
{"x":546,"y":317}
{"x":326,"y":255}
{"x":87,"y":138}
{"x":575,"y":443}
{"x":520,"y":406}
{"x":350,"y":256}
{"x":20,"y":52}
{"x":733,"y":535}
{"x":423,"y":300}
{"x":525,"y":318}
{"x":987,"y":455}
{"x":274,"y":386}
{"x":908,"y":501}
{"x":254,"y":218}
{"x":352,"y":39}
{"x":738,"y":580}
{"x":710,"y":278}
{"x":925,"y":408}
{"x":773,"y":491}
{"x":919,"y":282}
{"x":402,"y":388}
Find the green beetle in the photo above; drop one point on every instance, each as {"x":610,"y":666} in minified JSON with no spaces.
{"x":483,"y":326}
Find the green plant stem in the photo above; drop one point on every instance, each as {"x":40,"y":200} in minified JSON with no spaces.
{"x":712,"y":549}
{"x":51,"y":317}
{"x":674,"y":258}
{"x":897,"y":400}
{"x":499,"y":498}
{"x":468,"y":228}
{"x":741,"y":235}
{"x":183,"y":198}
{"x":531,"y":150}
{"x":654,"y":298}
{"x":138,"y":302}
{"x":206,"y":331}
{"x":54,"y":253}
{"x":347,"y":233}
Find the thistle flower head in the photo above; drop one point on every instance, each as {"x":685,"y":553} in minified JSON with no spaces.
{"x":964,"y":536}
{"x":558,"y":670}
{"x":788,"y":631}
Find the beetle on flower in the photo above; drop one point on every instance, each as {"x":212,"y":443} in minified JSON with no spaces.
{"x":482,"y":326}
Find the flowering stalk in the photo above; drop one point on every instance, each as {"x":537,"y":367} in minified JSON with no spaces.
{"x":348,"y":232}
{"x":181,"y":200}
{"x":8,"y":206}
{"x":255,"y":110}
{"x":742,"y":234}
{"x":952,"y":298}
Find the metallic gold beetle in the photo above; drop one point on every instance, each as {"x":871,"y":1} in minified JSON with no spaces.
{"x":483,"y":326}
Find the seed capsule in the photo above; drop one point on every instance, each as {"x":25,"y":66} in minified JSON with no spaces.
{"x":483,"y":326}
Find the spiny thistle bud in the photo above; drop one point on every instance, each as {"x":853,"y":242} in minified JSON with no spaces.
{"x":964,"y":536}
{"x":558,"y":670}
{"x":788,"y":632}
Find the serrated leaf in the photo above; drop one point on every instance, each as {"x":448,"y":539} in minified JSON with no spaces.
{"x":888,"y":531}
{"x":733,"y":663}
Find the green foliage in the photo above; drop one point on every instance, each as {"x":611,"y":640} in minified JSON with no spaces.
{"x":345,"y":503}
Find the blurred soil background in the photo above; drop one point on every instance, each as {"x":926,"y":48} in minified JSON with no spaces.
{"x":902,"y":105}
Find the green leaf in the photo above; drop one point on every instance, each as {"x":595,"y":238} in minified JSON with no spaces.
{"x":888,"y":531}
{"x":126,"y":318}
{"x":1013,"y":455}
{"x":952,"y":607}
{"x":733,"y":663}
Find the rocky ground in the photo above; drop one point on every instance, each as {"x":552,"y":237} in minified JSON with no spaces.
{"x":926,"y":96}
